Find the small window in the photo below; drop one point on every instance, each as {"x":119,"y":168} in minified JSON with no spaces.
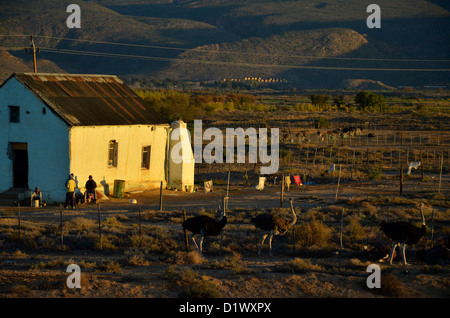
{"x":146,"y":152}
{"x":14,"y":114}
{"x":112,"y":153}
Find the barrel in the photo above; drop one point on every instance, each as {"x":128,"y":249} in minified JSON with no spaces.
{"x":119,"y":188}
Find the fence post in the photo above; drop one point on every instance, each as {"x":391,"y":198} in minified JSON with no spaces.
{"x":440,"y":173}
{"x":432,"y":228}
{"x":140,"y":224}
{"x":341,"y":228}
{"x":161,"y":197}
{"x":186,"y":239}
{"x":225,"y":207}
{"x":18,"y":225}
{"x":339,"y":179}
{"x":421,"y":164}
{"x":314,"y":160}
{"x":61,"y":225}
{"x":401,"y":178}
{"x":99,"y":225}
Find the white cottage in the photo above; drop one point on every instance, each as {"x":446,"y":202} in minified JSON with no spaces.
{"x":52,"y":125}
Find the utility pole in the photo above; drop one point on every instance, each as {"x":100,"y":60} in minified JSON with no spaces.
{"x":32,"y":50}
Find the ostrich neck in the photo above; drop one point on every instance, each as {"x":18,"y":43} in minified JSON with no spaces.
{"x":421,"y":213}
{"x":294,"y":216}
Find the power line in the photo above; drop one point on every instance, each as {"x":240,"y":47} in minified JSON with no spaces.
{"x":228,"y":52}
{"x":167,"y":59}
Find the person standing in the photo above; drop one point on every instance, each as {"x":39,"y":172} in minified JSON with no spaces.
{"x":70,"y":194}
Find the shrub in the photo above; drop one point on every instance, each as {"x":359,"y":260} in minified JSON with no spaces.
{"x":200,"y":289}
{"x":192,"y":257}
{"x":321,"y":123}
{"x":299,"y":265}
{"x":371,"y":102}
{"x":355,"y":231}
{"x":180,"y":275}
{"x":82,"y":224}
{"x":112,"y":221}
{"x":110,"y":266}
{"x":391,"y":286}
{"x":319,"y":100}
{"x":376,"y":173}
{"x":313,"y":233}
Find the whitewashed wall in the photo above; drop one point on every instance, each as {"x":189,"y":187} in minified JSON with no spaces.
{"x":89,"y":156}
{"x":181,"y":170}
{"x":47,"y":137}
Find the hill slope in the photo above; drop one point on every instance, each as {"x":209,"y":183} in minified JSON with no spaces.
{"x":263,"y":57}
{"x":267,"y":33}
{"x":48,"y":22}
{"x":10,"y":64}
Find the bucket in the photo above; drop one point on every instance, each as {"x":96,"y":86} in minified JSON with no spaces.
{"x":36,"y":203}
{"x":119,"y":188}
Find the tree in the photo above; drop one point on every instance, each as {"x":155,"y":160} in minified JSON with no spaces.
{"x":321,"y":123}
{"x":370,"y":101}
{"x":319,"y":100}
{"x":339,"y":101}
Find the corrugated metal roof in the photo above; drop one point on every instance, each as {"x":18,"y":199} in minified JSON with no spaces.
{"x":90,"y":100}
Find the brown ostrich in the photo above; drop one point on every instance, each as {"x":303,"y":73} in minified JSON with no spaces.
{"x":204,"y":226}
{"x":273,"y":225}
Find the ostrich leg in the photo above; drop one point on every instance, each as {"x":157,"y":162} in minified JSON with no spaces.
{"x":263,"y":238}
{"x":201,"y":246}
{"x":394,"y":246}
{"x":193,"y":240}
{"x":403,"y":254}
{"x":270,"y":243}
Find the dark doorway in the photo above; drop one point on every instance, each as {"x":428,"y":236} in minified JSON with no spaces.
{"x":20,"y":165}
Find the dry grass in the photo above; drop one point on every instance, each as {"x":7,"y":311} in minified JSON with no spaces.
{"x":355,"y":231}
{"x":188,"y":258}
{"x":110,"y":266}
{"x":56,"y":263}
{"x":82,"y":224}
{"x":314,"y":233}
{"x":189,"y":283}
{"x":299,"y":265}
{"x":391,"y":286}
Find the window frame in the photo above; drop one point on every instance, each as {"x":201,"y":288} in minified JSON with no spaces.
{"x":146,"y":153}
{"x":16,"y":110}
{"x":113,"y":150}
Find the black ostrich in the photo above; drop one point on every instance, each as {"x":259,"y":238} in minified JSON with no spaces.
{"x":204,"y":226}
{"x":403,"y":233}
{"x":273,"y":225}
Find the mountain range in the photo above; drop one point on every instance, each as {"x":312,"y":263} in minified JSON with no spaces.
{"x":306,"y":43}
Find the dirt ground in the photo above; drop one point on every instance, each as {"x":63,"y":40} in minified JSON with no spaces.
{"x":237,"y":272}
{"x":139,"y":251}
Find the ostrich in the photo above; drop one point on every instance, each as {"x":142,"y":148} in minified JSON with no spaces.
{"x":204,"y":226}
{"x":273,"y":225}
{"x":403,"y":233}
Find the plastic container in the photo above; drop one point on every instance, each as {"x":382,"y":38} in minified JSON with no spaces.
{"x":119,"y":188}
